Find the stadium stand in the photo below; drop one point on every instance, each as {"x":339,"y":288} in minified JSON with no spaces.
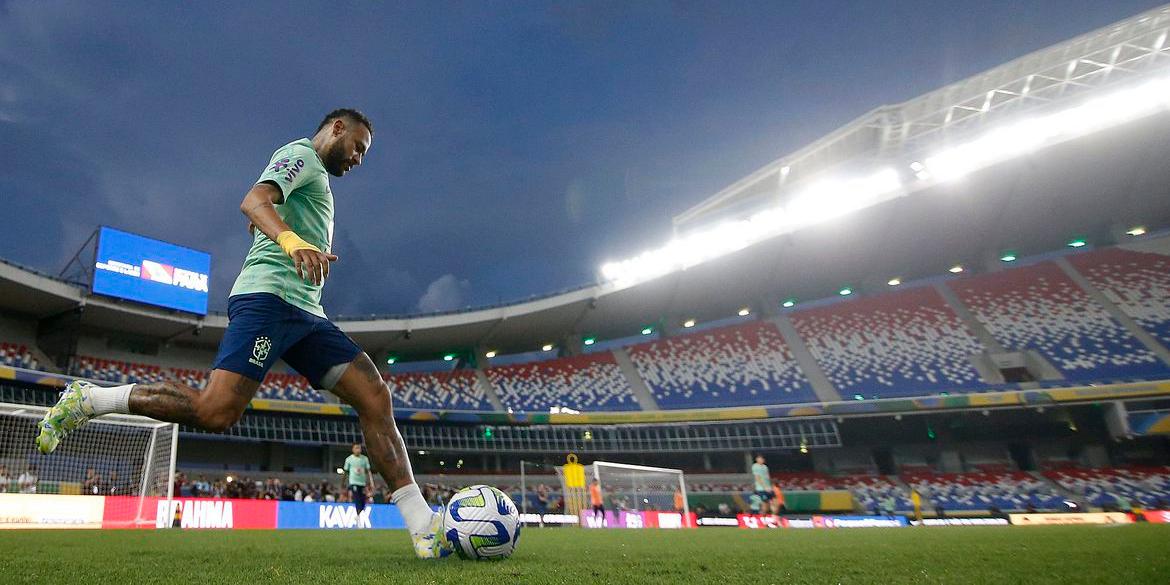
{"x":438,"y":390}
{"x":288,"y":387}
{"x":583,"y":382}
{"x":905,"y":343}
{"x":1148,"y":487}
{"x":985,"y":490}
{"x":1137,"y":282}
{"x":1040,"y":308}
{"x":117,"y":371}
{"x":17,"y":356}
{"x":870,"y":491}
{"x":739,"y":365}
{"x":901,"y":344}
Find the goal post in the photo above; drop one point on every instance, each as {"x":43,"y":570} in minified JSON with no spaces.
{"x":641,"y":488}
{"x":128,"y":459}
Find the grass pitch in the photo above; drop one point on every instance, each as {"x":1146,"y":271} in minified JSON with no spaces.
{"x":1060,"y":554}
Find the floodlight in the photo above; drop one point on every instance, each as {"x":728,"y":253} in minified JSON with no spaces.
{"x":819,"y":202}
{"x":1032,"y":133}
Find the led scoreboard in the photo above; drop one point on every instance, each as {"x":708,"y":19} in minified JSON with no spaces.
{"x":137,"y":268}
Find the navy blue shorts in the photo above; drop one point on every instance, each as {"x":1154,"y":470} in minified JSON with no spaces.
{"x":263,"y":327}
{"x":357,"y":495}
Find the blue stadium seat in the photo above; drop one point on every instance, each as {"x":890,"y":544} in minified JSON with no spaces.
{"x":585,"y":382}
{"x":455,"y":390}
{"x":906,"y":343}
{"x":747,"y":364}
{"x":1040,"y":308}
{"x":1137,"y":282}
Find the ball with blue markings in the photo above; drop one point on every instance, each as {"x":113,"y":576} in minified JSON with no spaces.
{"x":481,"y":523}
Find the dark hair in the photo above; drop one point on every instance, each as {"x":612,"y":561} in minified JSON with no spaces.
{"x":350,"y":113}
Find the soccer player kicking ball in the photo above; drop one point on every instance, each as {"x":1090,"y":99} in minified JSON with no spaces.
{"x":274,"y":311}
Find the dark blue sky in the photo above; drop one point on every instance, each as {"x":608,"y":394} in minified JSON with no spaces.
{"x":517,"y":145}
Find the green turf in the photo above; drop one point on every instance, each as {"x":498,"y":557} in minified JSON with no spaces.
{"x":1000,"y":555}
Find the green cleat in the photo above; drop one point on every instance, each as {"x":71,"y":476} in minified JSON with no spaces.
{"x":432,"y":544}
{"x":70,"y":412}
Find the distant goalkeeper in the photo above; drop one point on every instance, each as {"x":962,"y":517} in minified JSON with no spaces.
{"x":275,"y":311}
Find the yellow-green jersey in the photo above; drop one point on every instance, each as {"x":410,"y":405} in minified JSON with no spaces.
{"x":358,"y":468}
{"x":307,"y":208}
{"x":763,"y":481}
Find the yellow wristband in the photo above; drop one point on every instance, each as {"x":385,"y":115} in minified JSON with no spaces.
{"x":290,"y":242}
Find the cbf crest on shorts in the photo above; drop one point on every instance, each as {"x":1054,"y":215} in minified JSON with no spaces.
{"x":260,"y":351}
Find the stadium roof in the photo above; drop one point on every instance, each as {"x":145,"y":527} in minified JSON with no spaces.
{"x":1041,"y":80}
{"x":1093,"y":187}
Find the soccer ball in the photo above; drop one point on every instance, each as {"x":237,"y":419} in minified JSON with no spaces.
{"x":480,"y":522}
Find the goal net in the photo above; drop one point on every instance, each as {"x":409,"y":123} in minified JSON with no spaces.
{"x":640,"y":488}
{"x":129,"y":459}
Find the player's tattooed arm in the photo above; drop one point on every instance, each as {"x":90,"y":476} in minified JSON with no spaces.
{"x":259,"y":205}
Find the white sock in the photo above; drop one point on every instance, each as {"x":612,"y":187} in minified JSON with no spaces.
{"x":413,"y":507}
{"x":115,"y":400}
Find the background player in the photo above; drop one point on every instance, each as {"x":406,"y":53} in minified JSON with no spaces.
{"x":275,"y":311}
{"x":762,"y":480}
{"x":357,"y":469}
{"x":596,"y":500}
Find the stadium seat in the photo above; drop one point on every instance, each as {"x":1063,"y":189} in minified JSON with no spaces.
{"x":1147,"y":487}
{"x":456,"y":390}
{"x":747,"y":364}
{"x":1040,"y":308}
{"x":17,"y":356}
{"x":870,"y":491}
{"x":582,"y":382}
{"x":279,"y":386}
{"x":900,"y":344}
{"x":1137,"y":282}
{"x":1008,"y":491}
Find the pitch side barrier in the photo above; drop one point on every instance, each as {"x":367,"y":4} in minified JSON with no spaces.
{"x":91,"y":512}
{"x":55,"y":511}
{"x":851,"y":408}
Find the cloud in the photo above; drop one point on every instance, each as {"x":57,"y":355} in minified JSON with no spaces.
{"x":445,"y":293}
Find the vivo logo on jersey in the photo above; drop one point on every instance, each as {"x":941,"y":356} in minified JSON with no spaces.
{"x":294,"y":170}
{"x":343,"y":517}
{"x":197,"y":513}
